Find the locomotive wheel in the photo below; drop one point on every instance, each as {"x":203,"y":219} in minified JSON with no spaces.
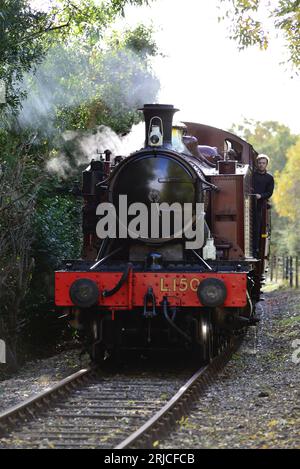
{"x":222,"y":343}
{"x":97,"y":354}
{"x":207,"y":340}
{"x":96,"y":349}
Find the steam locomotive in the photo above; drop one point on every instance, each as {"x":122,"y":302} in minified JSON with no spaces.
{"x":145,"y":282}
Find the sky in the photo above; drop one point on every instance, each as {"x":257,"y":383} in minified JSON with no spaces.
{"x":204,"y":74}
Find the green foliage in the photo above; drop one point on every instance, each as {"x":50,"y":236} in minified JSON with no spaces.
{"x":268,"y":137}
{"x":57,"y":236}
{"x":19,"y":184}
{"x":26,"y":34}
{"x":80,"y":87}
{"x":62,"y":71}
{"x":138,"y":40}
{"x":249,"y":23}
{"x":80,"y":84}
{"x":288,"y":186}
{"x":57,"y":228}
{"x":87,"y":18}
{"x":21,"y":47}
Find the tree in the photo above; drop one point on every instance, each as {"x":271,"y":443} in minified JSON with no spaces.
{"x":26,"y":34}
{"x":79,"y":86}
{"x":86,"y":18}
{"x":20,"y":47}
{"x":268,"y":137}
{"x":19,"y":183}
{"x":288,"y":185}
{"x":249,"y":23}
{"x":286,"y":199}
{"x":39,"y":219}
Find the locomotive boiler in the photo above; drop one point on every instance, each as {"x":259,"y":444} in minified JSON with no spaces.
{"x":167,"y":260}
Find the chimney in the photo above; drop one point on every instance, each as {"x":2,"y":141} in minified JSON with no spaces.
{"x":158,"y":121}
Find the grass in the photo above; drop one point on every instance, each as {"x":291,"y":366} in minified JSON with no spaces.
{"x":289,"y":321}
{"x":273,"y":286}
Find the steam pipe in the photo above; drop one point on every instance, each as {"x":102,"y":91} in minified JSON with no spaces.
{"x":165,"y":304}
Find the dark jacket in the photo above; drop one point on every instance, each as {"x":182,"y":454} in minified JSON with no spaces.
{"x":263,"y":184}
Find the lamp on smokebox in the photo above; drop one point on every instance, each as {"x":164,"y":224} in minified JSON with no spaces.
{"x":155,"y":138}
{"x":158,"y":123}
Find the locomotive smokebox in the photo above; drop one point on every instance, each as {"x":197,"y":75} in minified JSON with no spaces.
{"x":158,"y":120}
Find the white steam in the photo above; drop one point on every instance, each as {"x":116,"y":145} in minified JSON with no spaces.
{"x":60,"y":166}
{"x":121,"y":81}
{"x":88,"y":145}
{"x":104,"y":138}
{"x":68,"y":78}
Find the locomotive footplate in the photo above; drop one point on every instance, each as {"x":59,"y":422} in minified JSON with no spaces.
{"x":181,"y":288}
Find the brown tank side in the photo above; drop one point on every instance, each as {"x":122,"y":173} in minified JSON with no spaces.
{"x":230,"y":215}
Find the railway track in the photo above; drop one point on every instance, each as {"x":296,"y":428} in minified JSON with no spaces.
{"x":91,"y":409}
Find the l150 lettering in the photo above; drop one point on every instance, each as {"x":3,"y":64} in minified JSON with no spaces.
{"x":179,"y":285}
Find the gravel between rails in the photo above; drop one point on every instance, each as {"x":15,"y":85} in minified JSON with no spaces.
{"x":100,"y":414}
{"x":255,"y":401}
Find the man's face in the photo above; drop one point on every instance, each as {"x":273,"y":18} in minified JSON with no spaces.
{"x":262,"y":164}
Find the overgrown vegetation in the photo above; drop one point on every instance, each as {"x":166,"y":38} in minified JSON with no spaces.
{"x":64,"y":69}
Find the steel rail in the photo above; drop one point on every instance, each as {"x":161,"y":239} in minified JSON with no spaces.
{"x":158,"y":425}
{"x":67,"y":433}
{"x":11,"y":415}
